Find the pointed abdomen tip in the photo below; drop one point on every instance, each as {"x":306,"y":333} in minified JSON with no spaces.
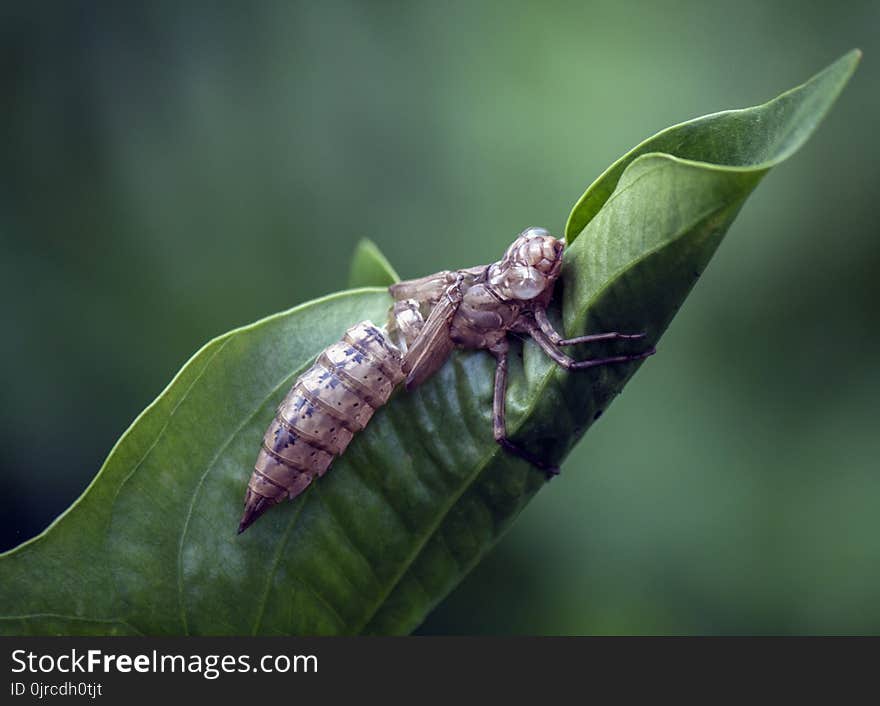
{"x":254,"y":506}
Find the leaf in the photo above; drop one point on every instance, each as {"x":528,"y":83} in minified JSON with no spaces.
{"x":369,"y":267}
{"x":424,"y":492}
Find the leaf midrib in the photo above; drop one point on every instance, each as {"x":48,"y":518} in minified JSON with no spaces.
{"x":270,"y":575}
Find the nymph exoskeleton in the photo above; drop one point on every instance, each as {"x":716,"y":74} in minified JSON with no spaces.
{"x":472,"y":308}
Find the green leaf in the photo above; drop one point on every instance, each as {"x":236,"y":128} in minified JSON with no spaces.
{"x":369,"y":267}
{"x":424,"y":492}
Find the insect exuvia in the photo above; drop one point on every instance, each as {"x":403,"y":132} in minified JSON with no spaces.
{"x":474,"y":308}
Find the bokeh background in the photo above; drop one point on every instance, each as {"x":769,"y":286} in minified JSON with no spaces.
{"x":173,"y":170}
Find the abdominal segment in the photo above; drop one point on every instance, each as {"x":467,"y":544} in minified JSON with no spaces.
{"x":327,"y":405}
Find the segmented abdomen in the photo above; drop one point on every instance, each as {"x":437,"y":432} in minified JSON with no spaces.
{"x":327,"y":405}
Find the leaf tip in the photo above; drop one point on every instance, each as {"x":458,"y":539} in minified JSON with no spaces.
{"x":843,"y":67}
{"x":369,"y":267}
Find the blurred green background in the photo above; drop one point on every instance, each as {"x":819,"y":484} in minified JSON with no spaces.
{"x":174,"y":170}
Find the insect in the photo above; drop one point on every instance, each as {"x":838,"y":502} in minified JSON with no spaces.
{"x":473,"y":308}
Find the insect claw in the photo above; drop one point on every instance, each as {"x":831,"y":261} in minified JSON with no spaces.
{"x":549,"y":469}
{"x":551,"y":472}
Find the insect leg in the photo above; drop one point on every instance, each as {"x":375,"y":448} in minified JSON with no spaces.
{"x":553,"y":335}
{"x":499,"y":417}
{"x":571,"y":364}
